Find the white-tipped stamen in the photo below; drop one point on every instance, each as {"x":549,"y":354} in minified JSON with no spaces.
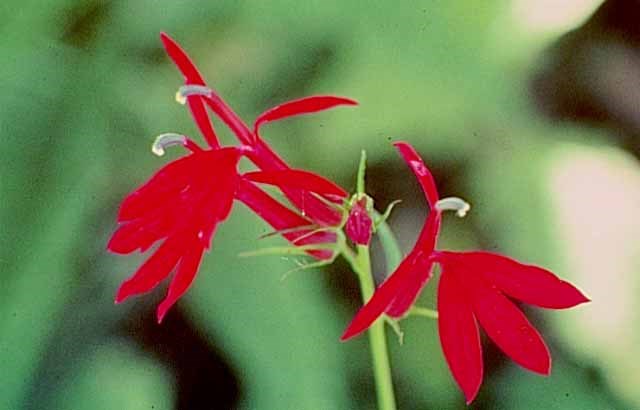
{"x":166,"y":140}
{"x":460,"y":206}
{"x":189,"y":90}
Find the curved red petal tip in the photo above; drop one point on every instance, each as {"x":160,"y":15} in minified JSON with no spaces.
{"x":301,"y":106}
{"x":425,"y":178}
{"x":181,"y":60}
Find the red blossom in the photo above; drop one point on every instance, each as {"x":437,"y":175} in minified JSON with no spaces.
{"x":181,"y":205}
{"x":474,"y":287}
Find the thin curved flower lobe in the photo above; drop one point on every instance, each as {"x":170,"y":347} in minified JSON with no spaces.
{"x":182,"y":205}
{"x":305,"y":105}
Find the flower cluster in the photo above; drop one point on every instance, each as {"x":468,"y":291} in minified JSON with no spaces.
{"x":182,"y":204}
{"x":179,"y":208}
{"x":474,"y":287}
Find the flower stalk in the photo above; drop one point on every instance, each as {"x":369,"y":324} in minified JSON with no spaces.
{"x":377,"y":338}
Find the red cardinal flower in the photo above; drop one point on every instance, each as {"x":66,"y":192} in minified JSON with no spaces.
{"x":474,"y":287}
{"x":181,"y":205}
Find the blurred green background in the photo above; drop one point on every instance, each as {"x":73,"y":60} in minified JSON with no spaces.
{"x":528,"y":109}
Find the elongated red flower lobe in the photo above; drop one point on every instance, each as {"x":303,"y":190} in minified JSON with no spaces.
{"x":380,"y":300}
{"x":182,"y":280}
{"x":282,"y":218}
{"x":305,"y":105}
{"x":459,"y":336}
{"x":299,"y":179}
{"x":191,"y":76}
{"x":509,"y":328}
{"x":422,"y":267}
{"x":527,"y":283}
{"x":152,"y":272}
{"x":182,"y":60}
{"x":421,"y":171}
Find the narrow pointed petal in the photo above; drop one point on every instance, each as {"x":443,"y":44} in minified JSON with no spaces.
{"x":302,"y":106}
{"x":298,"y":179}
{"x":421,"y":171}
{"x":182,"y":280}
{"x":381,"y":299}
{"x":527,"y":283}
{"x":459,"y":336}
{"x":152,"y":272}
{"x":182,"y":60}
{"x":282,"y":218}
{"x":200,"y":116}
{"x":507,"y":326}
{"x":422,"y":270}
{"x":407,"y":296}
{"x":139,"y":234}
{"x":191,"y":76}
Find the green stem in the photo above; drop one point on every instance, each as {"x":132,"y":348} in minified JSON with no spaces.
{"x":377,"y":338}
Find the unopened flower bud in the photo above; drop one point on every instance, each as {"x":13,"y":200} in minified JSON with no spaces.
{"x":359,"y":226}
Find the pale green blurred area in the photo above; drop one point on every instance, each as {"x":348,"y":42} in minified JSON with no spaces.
{"x":85,"y":87}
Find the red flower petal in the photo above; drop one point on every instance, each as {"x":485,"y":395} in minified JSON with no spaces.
{"x":200,"y":116}
{"x":152,"y":272}
{"x":170,"y":179}
{"x":298,"y":179}
{"x":382,"y":297}
{"x":182,"y":60}
{"x":280,"y":217}
{"x":459,"y":336}
{"x":182,"y":280}
{"x":506,"y":325}
{"x":421,"y":273}
{"x":305,"y":105}
{"x":530,"y":284}
{"x":140,"y":234}
{"x":423,"y":174}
